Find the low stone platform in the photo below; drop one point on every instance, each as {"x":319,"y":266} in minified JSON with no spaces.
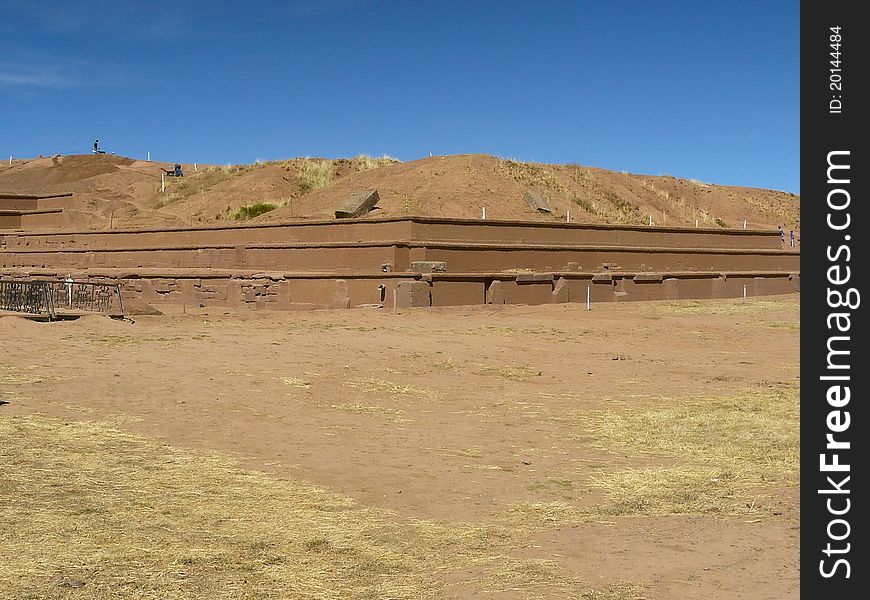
{"x":410,"y":262}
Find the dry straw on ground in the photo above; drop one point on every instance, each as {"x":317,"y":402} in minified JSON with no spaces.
{"x":90,"y":512}
{"x":713,"y":454}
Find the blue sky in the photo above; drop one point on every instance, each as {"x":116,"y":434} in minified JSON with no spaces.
{"x":703,"y":90}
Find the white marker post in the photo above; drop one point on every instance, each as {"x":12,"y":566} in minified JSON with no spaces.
{"x":194,"y":166}
{"x":484,"y":213}
{"x":568,"y":217}
{"x":744,"y":223}
{"x":696,"y":222}
{"x":744,"y":292}
{"x":10,"y":160}
{"x":149,"y":156}
{"x":588,"y":305}
{"x":395,"y":301}
{"x":650,"y":220}
{"x":162,"y":183}
{"x":69,"y":282}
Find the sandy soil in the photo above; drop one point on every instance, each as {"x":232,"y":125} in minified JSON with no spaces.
{"x":446,"y":414}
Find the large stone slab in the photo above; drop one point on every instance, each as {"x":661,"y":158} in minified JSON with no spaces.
{"x":357,"y":204}
{"x":494,"y":293}
{"x":412,"y":294}
{"x":537,"y":201}
{"x":561,"y":291}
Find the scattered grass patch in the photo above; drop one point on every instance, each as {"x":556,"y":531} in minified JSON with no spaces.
{"x":585,"y":204}
{"x":721,"y":307}
{"x":534,"y":175}
{"x":615,"y":591}
{"x":253,"y":210}
{"x":181,"y":188}
{"x":448,"y":365}
{"x":411,"y":206}
{"x":782,"y":324}
{"x":626,"y":212}
{"x":514,"y":373}
{"x":394,"y":414}
{"x":722,"y":451}
{"x":373,"y":385}
{"x":116,"y":340}
{"x":463,"y":452}
{"x":368,"y":163}
{"x":536,"y":579}
{"x":544,"y":515}
{"x":550,"y":484}
{"x":672,"y":490}
{"x":19,"y":375}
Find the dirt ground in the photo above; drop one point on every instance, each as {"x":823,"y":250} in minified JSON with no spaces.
{"x":465,"y":415}
{"x":116,"y":191}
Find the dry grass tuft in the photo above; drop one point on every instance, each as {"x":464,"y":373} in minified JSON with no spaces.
{"x":615,"y":591}
{"x":315,"y":174}
{"x":384,"y":387}
{"x":411,"y":206}
{"x":544,"y":515}
{"x":514,"y":373}
{"x":368,"y":163}
{"x":253,"y":210}
{"x":91,"y":512}
{"x":394,"y":415}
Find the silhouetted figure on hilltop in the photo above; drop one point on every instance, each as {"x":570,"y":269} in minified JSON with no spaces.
{"x":176,"y":172}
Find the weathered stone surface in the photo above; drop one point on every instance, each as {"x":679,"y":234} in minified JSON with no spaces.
{"x":357,"y":204}
{"x":271,"y":276}
{"x":494,"y":293}
{"x":537,"y":201}
{"x":650,"y":277}
{"x":561,"y":291}
{"x":428,"y":266}
{"x":240,"y":256}
{"x":529,"y":277}
{"x":413,"y":293}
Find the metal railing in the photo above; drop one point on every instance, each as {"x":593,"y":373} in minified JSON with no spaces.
{"x":56,"y":298}
{"x":30,"y":297}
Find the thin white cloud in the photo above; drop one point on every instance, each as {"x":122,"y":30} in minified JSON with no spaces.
{"x":153,"y":21}
{"x":42,"y":72}
{"x":35,"y":76}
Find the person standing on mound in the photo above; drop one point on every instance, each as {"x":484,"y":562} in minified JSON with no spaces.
{"x":96,"y":146}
